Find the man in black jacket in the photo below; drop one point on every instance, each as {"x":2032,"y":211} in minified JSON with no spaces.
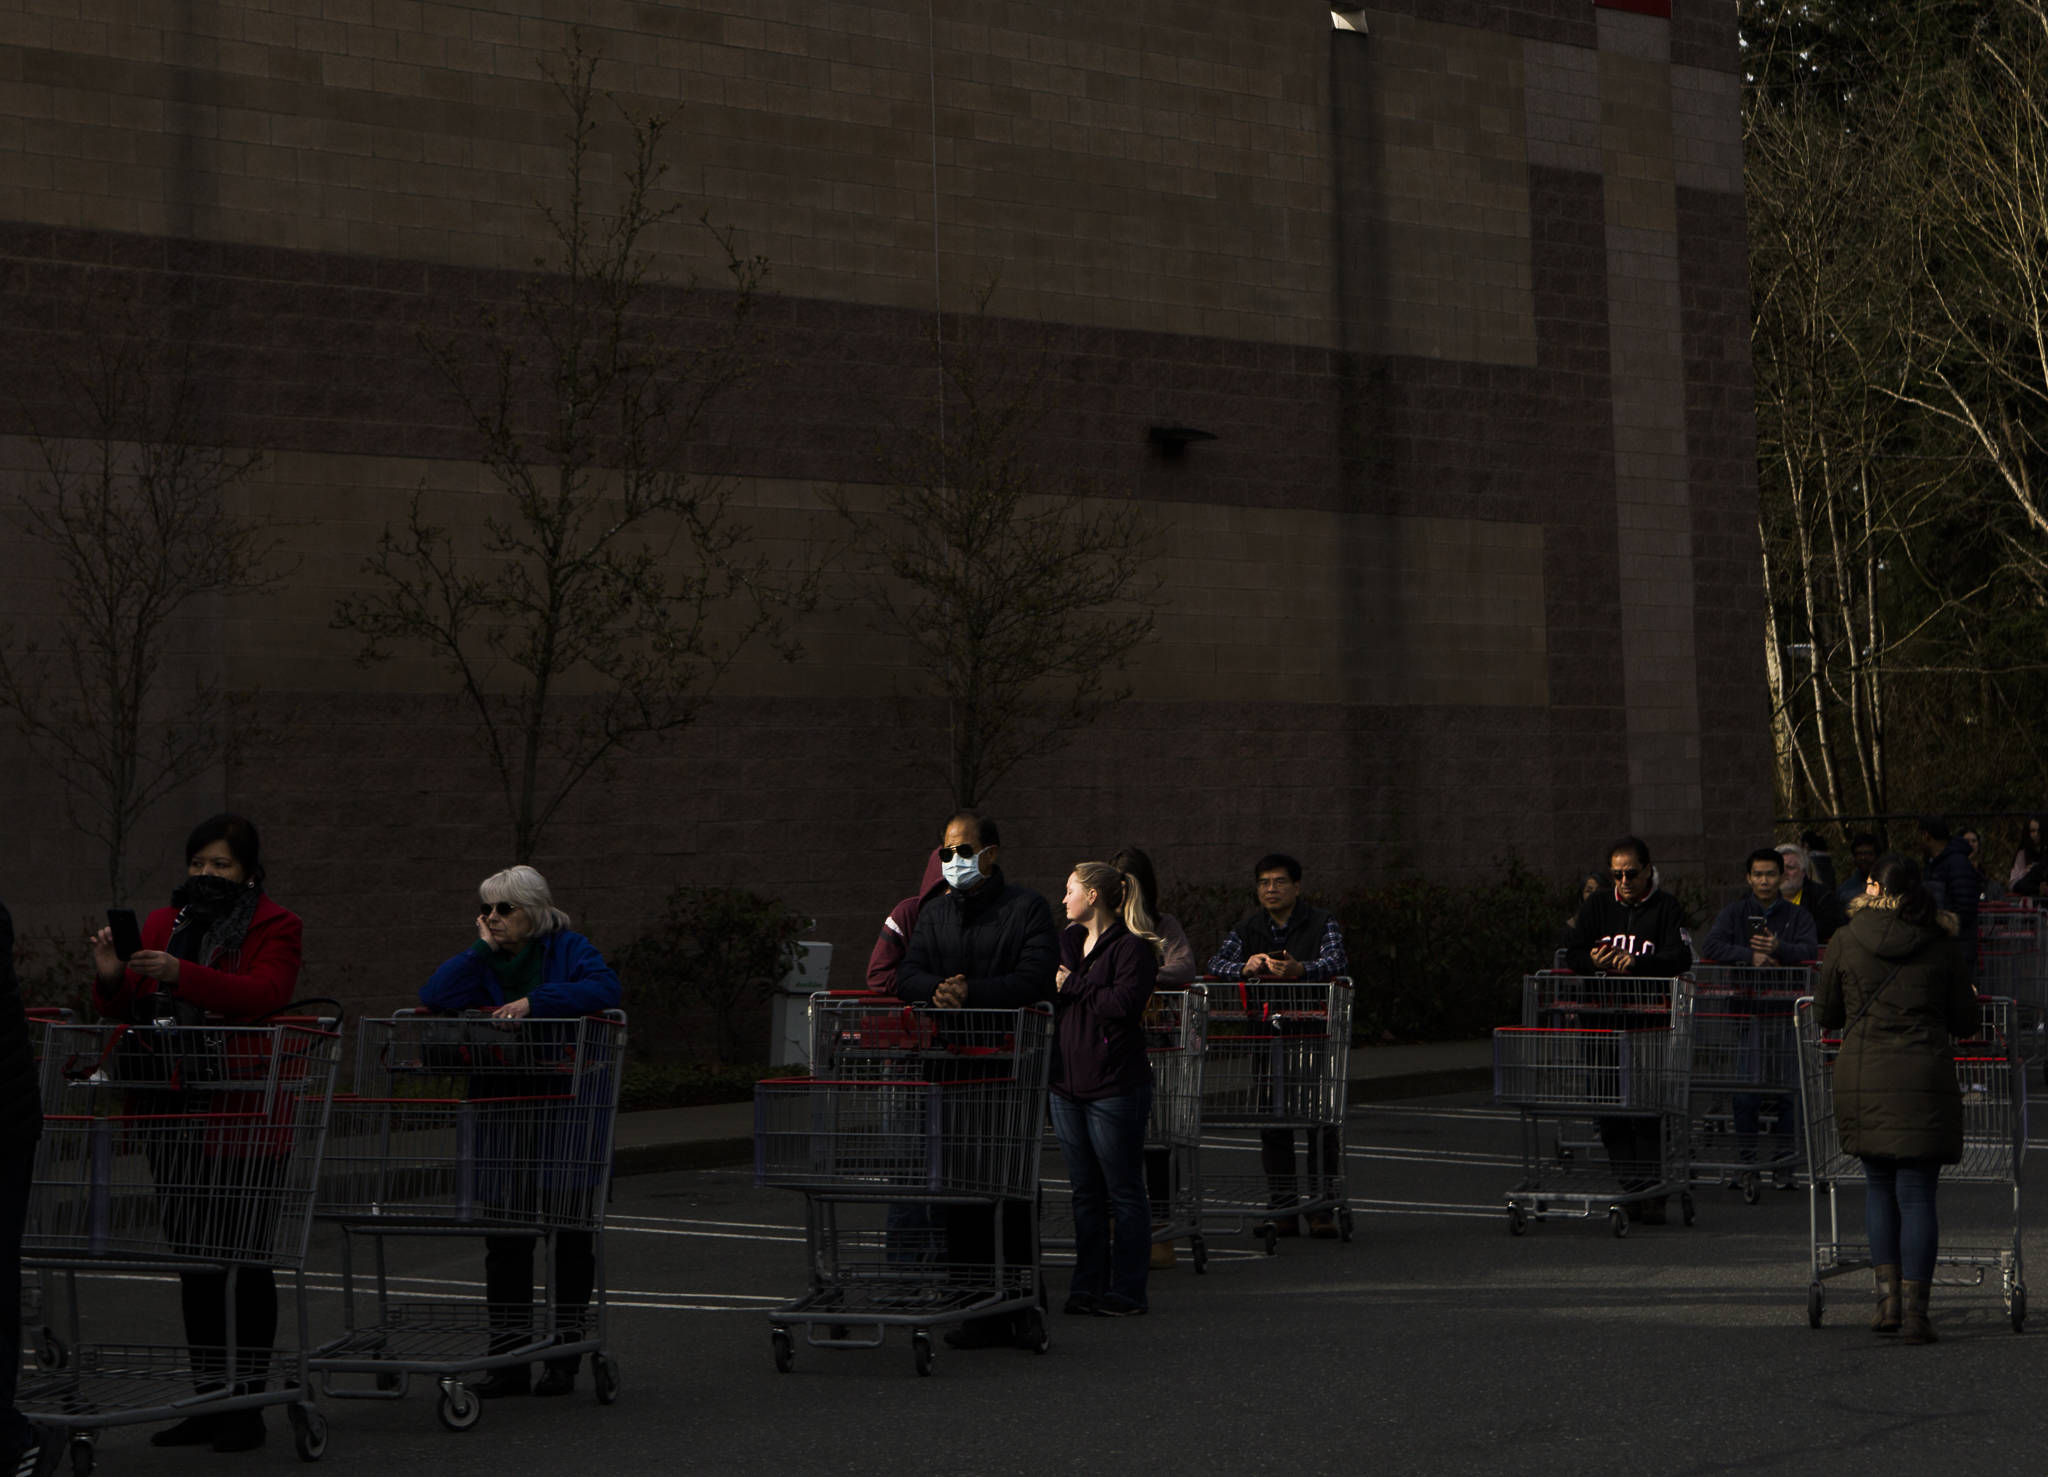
{"x":983,"y":945}
{"x":21,"y":1124}
{"x":1287,"y":939}
{"x":1953,"y":879}
{"x":1635,"y":930}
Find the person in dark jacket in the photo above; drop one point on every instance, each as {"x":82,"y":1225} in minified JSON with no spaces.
{"x":1799,"y":887}
{"x":1863,"y":856}
{"x":1952,"y":877}
{"x":526,"y":963}
{"x":21,"y":1124}
{"x":1637,"y":930}
{"x":1287,"y":939}
{"x":1102,"y":1085}
{"x":223,"y":950}
{"x":887,"y":955}
{"x":1762,"y":930}
{"x":982,"y":944}
{"x":1895,"y":986}
{"x":1820,"y":866}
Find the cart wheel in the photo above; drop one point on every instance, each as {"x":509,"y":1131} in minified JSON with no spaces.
{"x":1816,"y":1304}
{"x":1752,"y":1187}
{"x":1269,"y":1235}
{"x":604,"y":1378}
{"x":81,"y":1456}
{"x":1518,"y":1223}
{"x":1686,"y":1209}
{"x":309,"y":1431}
{"x":2018,"y":1310}
{"x":50,"y":1351}
{"x":1200,"y":1250}
{"x":1617,"y":1221}
{"x":785,"y":1351}
{"x":921,"y":1352}
{"x":458,"y":1408}
{"x":1344,"y":1222}
{"x":1035,"y":1337}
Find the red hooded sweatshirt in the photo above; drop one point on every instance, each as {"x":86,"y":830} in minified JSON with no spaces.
{"x":895,"y":935}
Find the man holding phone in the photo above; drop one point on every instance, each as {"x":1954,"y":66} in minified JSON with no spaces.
{"x":1762,"y":929}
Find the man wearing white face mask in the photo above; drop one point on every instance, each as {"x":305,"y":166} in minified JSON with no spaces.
{"x":984,"y":945}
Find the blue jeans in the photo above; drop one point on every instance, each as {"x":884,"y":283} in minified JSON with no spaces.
{"x":1898,"y":1212}
{"x":1103,"y":1143}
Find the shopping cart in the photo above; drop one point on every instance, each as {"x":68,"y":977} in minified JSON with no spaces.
{"x":469,"y":1126}
{"x":49,"y":1349}
{"x":1176,"y":1028}
{"x":1600,"y":1060}
{"x":173,"y":1148}
{"x":1277,"y":1060}
{"x":1994,"y":1085}
{"x":2012,"y":964}
{"x":1745,"y":1069}
{"x":915,"y":1143}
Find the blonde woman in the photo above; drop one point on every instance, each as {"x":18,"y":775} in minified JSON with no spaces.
{"x":1102,"y":1086}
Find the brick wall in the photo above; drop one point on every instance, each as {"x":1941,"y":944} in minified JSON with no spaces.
{"x":1461,"y":298}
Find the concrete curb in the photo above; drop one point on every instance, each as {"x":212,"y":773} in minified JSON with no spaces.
{"x":725,"y":1153}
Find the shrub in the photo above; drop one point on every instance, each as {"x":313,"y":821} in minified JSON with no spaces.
{"x":714,"y":952}
{"x":690,"y":1084}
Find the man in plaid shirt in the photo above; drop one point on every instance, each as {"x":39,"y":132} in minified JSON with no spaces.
{"x":1287,"y":940}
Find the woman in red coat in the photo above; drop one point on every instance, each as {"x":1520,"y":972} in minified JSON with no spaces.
{"x":222,"y":951}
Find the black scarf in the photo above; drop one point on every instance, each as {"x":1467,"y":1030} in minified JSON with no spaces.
{"x":211,"y":920}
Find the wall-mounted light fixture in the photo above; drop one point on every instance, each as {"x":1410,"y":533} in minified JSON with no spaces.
{"x":1348,"y":20}
{"x":1172,"y":441}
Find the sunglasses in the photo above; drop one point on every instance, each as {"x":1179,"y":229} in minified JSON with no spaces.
{"x":1627,"y":874}
{"x":503,"y":910}
{"x":964,"y":851}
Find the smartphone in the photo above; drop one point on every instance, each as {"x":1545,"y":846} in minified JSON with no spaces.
{"x":1756,"y":924}
{"x":127,"y":932}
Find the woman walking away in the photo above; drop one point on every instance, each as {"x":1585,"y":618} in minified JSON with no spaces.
{"x":526,"y":963}
{"x":1895,"y":986}
{"x":1102,"y":1086}
{"x":223,"y":951}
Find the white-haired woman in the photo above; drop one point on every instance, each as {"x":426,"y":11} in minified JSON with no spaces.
{"x":525,"y":962}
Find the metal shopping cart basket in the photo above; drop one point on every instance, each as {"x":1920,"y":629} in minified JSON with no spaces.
{"x":1600,"y":1060}
{"x":1176,"y":1029}
{"x":1278,"y":1060}
{"x":2012,"y":964}
{"x":1745,"y":1075}
{"x":470,"y":1126}
{"x":172,"y":1148}
{"x":1994,"y":1084}
{"x":915,"y":1144}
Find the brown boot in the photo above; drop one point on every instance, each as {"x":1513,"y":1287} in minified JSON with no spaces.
{"x":1885,"y":1317}
{"x":1913,"y":1326}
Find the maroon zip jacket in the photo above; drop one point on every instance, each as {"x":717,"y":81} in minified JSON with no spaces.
{"x":1101,"y":1008}
{"x":895,"y":935}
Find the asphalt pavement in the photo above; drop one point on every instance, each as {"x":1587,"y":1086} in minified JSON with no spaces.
{"x":1433,"y":1342}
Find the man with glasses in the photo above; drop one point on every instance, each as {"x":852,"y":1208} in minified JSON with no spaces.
{"x":1287,"y":940}
{"x":1633,"y":929}
{"x":982,"y":944}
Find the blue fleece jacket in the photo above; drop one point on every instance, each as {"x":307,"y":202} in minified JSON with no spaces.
{"x":575,"y":980}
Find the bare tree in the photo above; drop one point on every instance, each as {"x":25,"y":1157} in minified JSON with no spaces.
{"x":607,"y":565}
{"x":1021,"y":597}
{"x":132,"y":518}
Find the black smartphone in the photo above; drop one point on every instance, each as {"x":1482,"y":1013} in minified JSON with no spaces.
{"x":1756,"y":924}
{"x":127,"y":932}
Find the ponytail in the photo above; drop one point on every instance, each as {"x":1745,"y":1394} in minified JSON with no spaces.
{"x":1121,"y":893}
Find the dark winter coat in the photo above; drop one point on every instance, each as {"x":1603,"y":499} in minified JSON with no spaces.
{"x":21,"y":1109}
{"x":1953,"y":879}
{"x":1653,"y":930}
{"x":1101,"y":1007}
{"x":1903,"y":994}
{"x":1000,"y":937}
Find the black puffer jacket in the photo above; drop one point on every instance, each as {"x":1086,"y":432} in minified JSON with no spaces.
{"x":1000,"y":937}
{"x":1902,"y":992}
{"x":21,"y":1106}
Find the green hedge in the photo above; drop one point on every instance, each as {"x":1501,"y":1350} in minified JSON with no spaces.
{"x":690,"y":1084}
